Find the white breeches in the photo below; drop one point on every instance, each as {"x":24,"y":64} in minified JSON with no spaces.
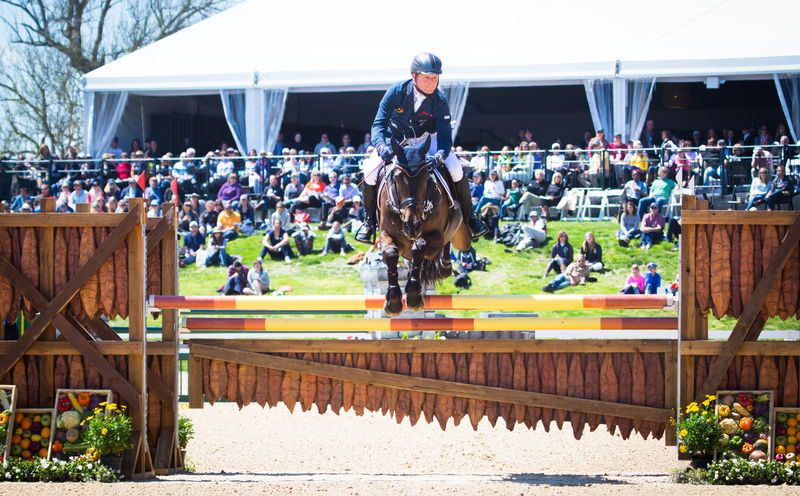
{"x":373,"y":163}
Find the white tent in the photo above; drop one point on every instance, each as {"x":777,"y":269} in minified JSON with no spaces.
{"x":255,"y":52}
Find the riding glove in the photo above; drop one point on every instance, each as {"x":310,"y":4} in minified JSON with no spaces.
{"x":436,"y":160}
{"x":385,"y":152}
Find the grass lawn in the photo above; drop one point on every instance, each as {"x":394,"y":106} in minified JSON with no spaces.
{"x":509,"y":273}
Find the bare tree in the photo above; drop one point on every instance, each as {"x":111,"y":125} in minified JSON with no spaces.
{"x":91,"y":33}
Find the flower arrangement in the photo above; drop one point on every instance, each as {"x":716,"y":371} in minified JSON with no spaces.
{"x":73,"y":407}
{"x":108,"y":430}
{"x":744,"y":418}
{"x":42,"y":470}
{"x":698,"y":428}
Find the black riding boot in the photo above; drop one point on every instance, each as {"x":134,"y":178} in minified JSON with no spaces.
{"x":367,"y":229}
{"x":476,"y":226}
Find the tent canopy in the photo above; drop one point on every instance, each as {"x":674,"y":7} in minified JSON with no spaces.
{"x":311,"y":45}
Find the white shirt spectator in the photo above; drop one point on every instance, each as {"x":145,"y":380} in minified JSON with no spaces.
{"x":555,"y":162}
{"x":347,"y":191}
{"x":254,"y":277}
{"x":224,"y":168}
{"x":494,"y":189}
{"x":77,"y":197}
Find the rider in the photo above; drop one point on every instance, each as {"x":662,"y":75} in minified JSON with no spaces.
{"x":412,"y":110}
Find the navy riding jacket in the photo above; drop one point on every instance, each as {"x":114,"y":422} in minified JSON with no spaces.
{"x":432,"y":116}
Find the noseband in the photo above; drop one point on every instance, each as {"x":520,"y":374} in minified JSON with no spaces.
{"x":425,"y":205}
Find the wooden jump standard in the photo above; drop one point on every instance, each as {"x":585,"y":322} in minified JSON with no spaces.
{"x":433,"y":324}
{"x":496,"y":303}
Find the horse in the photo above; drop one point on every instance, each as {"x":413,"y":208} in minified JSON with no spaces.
{"x":418,"y":221}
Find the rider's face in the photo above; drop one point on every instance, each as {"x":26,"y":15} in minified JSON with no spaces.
{"x":426,"y":83}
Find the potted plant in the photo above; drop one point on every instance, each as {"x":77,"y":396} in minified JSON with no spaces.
{"x":185,"y":433}
{"x":108,"y":432}
{"x":699,"y":432}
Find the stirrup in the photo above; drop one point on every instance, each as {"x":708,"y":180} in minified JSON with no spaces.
{"x":365,"y":233}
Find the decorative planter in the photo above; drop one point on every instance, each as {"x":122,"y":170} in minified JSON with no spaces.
{"x":113,"y":462}
{"x":701,"y":461}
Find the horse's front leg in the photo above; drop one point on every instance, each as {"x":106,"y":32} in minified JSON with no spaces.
{"x":413,"y":285}
{"x":394,"y":296}
{"x":446,"y":269}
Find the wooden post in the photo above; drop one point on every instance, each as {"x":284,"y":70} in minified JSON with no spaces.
{"x":689,"y":316}
{"x":195,"y":383}
{"x":137,"y":366}
{"x":671,"y":391}
{"x":47,"y":288}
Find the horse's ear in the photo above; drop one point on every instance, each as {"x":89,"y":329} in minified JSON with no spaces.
{"x":426,"y":146}
{"x":397,"y":149}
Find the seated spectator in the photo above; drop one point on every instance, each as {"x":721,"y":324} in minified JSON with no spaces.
{"x":637,"y":161}
{"x":511,"y":199}
{"x":758,"y":189}
{"x":554,"y":193}
{"x":781,"y":188}
{"x":560,"y":256}
{"x":112,"y":205}
{"x":634,"y":284}
{"x":62,"y":198}
{"x":629,"y":223}
{"x":231,"y":190}
{"x":536,"y":190}
{"x":712,"y":160}
{"x":154,"y":210}
{"x":248,"y":216}
{"x":95,"y":192}
{"x":493,"y":191}
{"x":573,"y":275}
{"x":535,"y":233}
{"x":78,"y":195}
{"x":652,"y":227}
{"x":229,"y":221}
{"x":476,"y":188}
{"x":593,"y":252}
{"x":111,"y":190}
{"x":635,"y":189}
{"x":652,"y":280}
{"x":193,"y":241}
{"x":22,"y":198}
{"x":276,"y":244}
{"x":153,"y":192}
{"x":216,"y":252}
{"x":311,"y":196}
{"x":272,"y":194}
{"x":281,"y":214}
{"x":196,"y":205}
{"x":237,"y":279}
{"x":131,"y":191}
{"x":257,"y":280}
{"x":186,"y":217}
{"x":468,"y":260}
{"x":336,"y":241}
{"x":660,"y":192}
{"x":328,"y":199}
{"x":355,"y":216}
{"x":292,"y":190}
{"x":208,"y":219}
{"x":304,"y":240}
{"x":124,"y":167}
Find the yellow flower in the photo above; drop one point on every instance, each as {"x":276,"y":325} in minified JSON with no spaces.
{"x":111,"y":406}
{"x":103,"y":403}
{"x":104,"y":431}
{"x":98,"y":410}
{"x":683,"y":449}
{"x":692,"y":408}
{"x":711,"y":397}
{"x":684,"y":433}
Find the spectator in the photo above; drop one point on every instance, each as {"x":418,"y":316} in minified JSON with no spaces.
{"x":62,"y":198}
{"x":637,"y":160}
{"x":356,"y":215}
{"x":535,"y":233}
{"x":152,"y":148}
{"x":225,"y":167}
{"x":511,"y":199}
{"x":281,"y":214}
{"x":95,"y":192}
{"x":276,"y":244}
{"x":111,"y":190}
{"x":229,"y":221}
{"x":573,"y":275}
{"x":196,"y":206}
{"x":311,"y":196}
{"x":554,"y":192}
{"x":217,"y":250}
{"x":493,"y":191}
{"x":22,"y":198}
{"x":193,"y":242}
{"x":247,"y":214}
{"x":476,"y":188}
{"x":329,"y":197}
{"x":652,"y":227}
{"x":761,"y":158}
{"x":154,"y":210}
{"x":593,"y":252}
{"x":208,"y":219}
{"x":292,"y":190}
{"x":362,"y":148}
{"x":152,"y":192}
{"x":634,"y":284}
{"x":467,"y":260}
{"x":237,"y":279}
{"x":560,"y":256}
{"x":304,"y":240}
{"x":711,"y":157}
{"x":758,"y":189}
{"x":324,"y":144}
{"x":336,"y":241}
{"x":649,"y":136}
{"x":114,"y":149}
{"x":635,"y":189}
{"x":272,"y":194}
{"x":617,"y":157}
{"x":781,"y":189}
{"x":629,"y":225}
{"x":555,"y":161}
{"x":231,"y":190}
{"x":481,"y":159}
{"x":652,"y":280}
{"x":660,"y":192}
{"x":257,"y":280}
{"x":123,"y":167}
{"x":186,"y":217}
{"x":78,"y":195}
{"x":112,"y":205}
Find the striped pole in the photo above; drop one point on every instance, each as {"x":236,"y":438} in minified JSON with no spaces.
{"x":489,"y":303}
{"x":435,"y":324}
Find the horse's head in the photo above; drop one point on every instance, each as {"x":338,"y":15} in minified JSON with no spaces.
{"x":411,"y":185}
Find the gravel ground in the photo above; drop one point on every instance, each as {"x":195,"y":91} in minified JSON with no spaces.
{"x":257,"y":451}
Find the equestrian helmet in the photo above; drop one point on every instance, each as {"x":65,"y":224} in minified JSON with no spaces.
{"x":426,"y":63}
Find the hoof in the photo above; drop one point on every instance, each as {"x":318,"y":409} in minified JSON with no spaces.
{"x":446,"y":269}
{"x":414,"y":299}
{"x":394,"y":301}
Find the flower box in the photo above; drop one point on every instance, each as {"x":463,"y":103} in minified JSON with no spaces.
{"x":746,"y":420}
{"x":73,"y":407}
{"x":786,"y":439}
{"x":33,"y":433}
{"x":8,"y":403}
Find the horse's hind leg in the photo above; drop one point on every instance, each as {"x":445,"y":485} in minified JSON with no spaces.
{"x":446,"y":269}
{"x":394,"y":296}
{"x":428,"y":247}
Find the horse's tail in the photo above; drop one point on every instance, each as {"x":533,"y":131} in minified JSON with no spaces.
{"x":431,"y":272}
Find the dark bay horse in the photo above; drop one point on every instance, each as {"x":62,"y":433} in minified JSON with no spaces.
{"x":418,"y":221}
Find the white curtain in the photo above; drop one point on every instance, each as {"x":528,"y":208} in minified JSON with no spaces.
{"x":456,"y":94}
{"x":233,"y":104}
{"x":264,"y":115}
{"x":101,"y":115}
{"x":600,"y":95}
{"x":637,"y":103}
{"x":788,"y":87}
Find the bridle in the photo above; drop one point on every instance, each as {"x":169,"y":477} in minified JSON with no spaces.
{"x":425,"y":205}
